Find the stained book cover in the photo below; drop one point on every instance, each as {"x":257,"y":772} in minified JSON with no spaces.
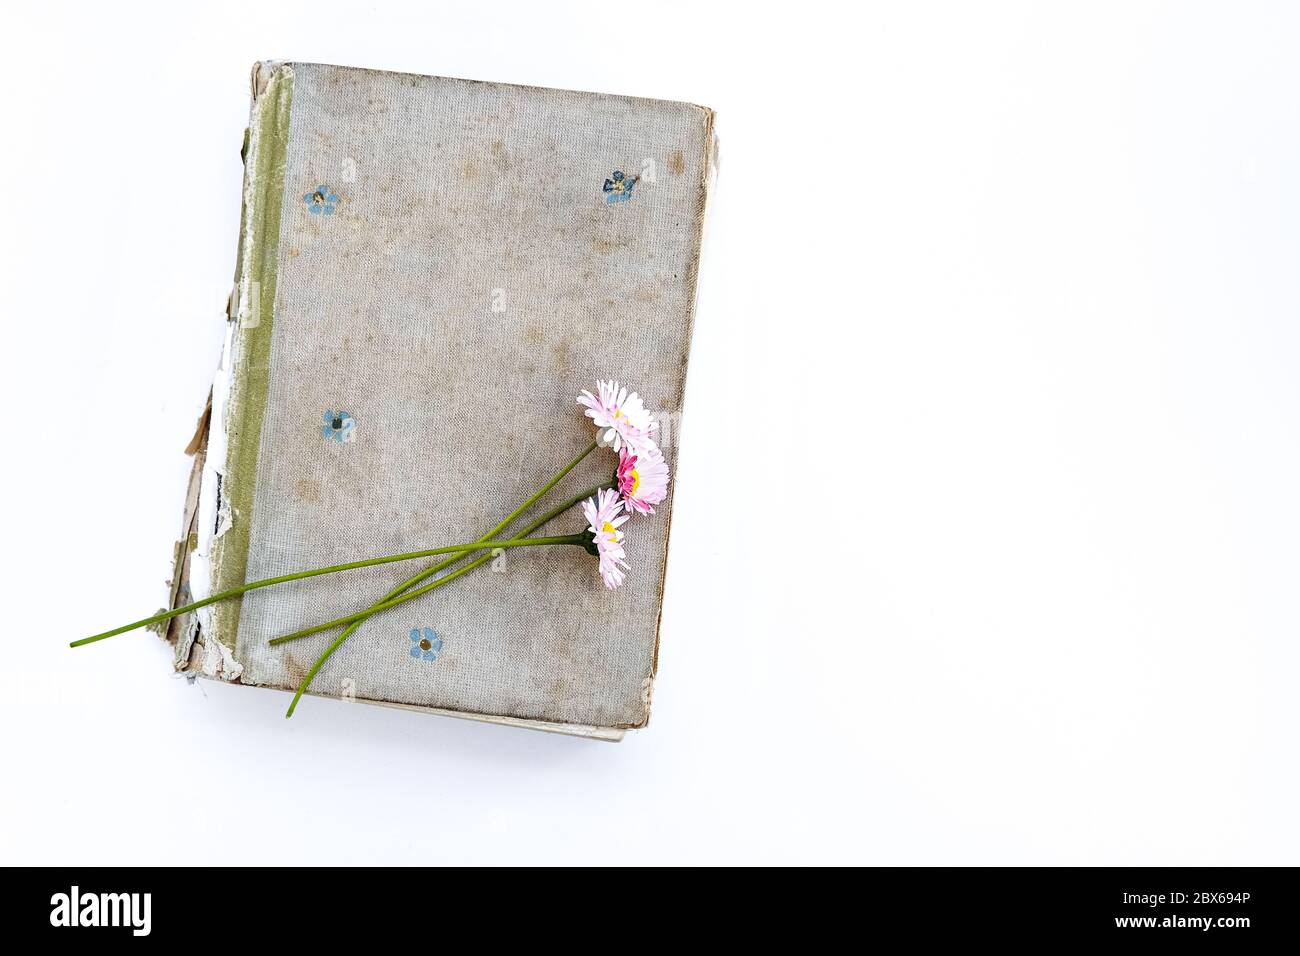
{"x":429,"y":270}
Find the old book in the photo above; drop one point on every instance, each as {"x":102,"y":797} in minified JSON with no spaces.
{"x":429,"y":270}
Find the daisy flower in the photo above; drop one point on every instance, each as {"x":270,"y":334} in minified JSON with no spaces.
{"x":642,"y":478}
{"x":604,"y":514}
{"x":621,"y":416}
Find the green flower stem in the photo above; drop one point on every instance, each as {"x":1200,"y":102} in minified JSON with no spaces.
{"x":442,"y":565}
{"x":351,"y":565}
{"x":392,"y":598}
{"x":559,"y":475}
{"x":282,"y":579}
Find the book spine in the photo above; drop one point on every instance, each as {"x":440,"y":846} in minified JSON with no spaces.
{"x":234,"y":451}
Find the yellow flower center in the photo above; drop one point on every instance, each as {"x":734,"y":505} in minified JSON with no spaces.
{"x":636,"y":482}
{"x":610,"y":529}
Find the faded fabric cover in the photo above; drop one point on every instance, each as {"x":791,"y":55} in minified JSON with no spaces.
{"x":430,"y":270}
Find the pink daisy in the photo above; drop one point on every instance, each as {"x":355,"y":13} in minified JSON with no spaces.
{"x":621,"y":416}
{"x":642,"y":478}
{"x":604,"y":514}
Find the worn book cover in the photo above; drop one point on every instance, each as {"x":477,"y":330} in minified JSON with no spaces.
{"x":429,"y":270}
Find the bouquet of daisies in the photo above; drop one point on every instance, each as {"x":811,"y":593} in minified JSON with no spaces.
{"x":640,"y":481}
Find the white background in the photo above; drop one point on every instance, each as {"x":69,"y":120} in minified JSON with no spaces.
{"x":986,"y":537}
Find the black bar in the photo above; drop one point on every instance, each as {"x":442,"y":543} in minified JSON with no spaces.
{"x":372,"y":906}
